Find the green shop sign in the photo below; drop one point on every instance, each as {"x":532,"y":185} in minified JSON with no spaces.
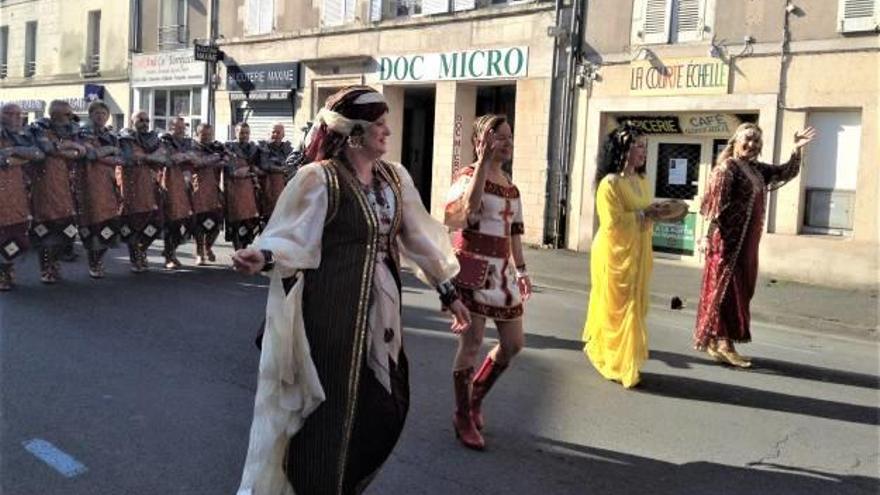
{"x":502,"y":63}
{"x":676,"y":238}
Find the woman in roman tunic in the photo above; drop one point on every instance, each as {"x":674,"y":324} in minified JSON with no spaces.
{"x":734,"y":207}
{"x":485,"y":209}
{"x":333,"y":389}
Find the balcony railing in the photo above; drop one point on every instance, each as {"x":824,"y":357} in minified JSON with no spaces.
{"x":92,"y":67}
{"x":3,"y":71}
{"x":30,"y":68}
{"x":173,"y":37}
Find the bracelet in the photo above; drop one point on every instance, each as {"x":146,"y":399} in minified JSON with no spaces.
{"x":448,"y":293}
{"x":269,"y":260}
{"x":521,"y":271}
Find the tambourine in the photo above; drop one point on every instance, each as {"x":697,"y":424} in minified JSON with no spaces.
{"x":669,"y":210}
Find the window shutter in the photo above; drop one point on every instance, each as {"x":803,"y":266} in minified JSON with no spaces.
{"x":333,"y":12}
{"x":375,"y":10}
{"x":656,"y":26}
{"x":253,"y":16}
{"x":435,"y":7}
{"x":689,"y":15}
{"x":858,"y":15}
{"x":267,"y":16}
{"x":459,"y":5}
{"x":350,"y":13}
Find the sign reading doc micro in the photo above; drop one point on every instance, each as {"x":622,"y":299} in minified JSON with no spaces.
{"x":492,"y":63}
{"x":174,"y":68}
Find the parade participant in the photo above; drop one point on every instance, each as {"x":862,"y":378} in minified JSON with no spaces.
{"x":273,"y":169}
{"x":621,"y":260}
{"x":241,"y":187}
{"x":334,"y":340}
{"x":734,"y":207}
{"x":176,"y":185}
{"x":485,"y":210}
{"x":138,"y":180}
{"x":98,"y":198}
{"x":52,"y":199}
{"x":16,"y":152}
{"x":211,"y":157}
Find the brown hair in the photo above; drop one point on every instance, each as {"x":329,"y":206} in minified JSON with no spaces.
{"x":743,"y":128}
{"x":489,"y":121}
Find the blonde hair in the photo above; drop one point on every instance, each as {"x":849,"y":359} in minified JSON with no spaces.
{"x":741,"y":131}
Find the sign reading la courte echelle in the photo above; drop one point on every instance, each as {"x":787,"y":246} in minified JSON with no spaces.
{"x":500,"y":63}
{"x":679,"y":76}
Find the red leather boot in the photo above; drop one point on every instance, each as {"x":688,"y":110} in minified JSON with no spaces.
{"x":465,"y":430}
{"x":483,"y":381}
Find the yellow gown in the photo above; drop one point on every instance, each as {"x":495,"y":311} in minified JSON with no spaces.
{"x":621,"y":261}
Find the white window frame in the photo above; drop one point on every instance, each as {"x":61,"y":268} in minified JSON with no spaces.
{"x":182,"y":29}
{"x":258,"y":22}
{"x":857,"y":24}
{"x":640,"y":37}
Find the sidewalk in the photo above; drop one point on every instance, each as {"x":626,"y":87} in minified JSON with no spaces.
{"x":790,"y":304}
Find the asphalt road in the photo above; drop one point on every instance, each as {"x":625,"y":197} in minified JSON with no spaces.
{"x":144,"y":384}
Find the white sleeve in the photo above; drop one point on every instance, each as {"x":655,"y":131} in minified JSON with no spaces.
{"x":296,"y":227}
{"x":424,"y":241}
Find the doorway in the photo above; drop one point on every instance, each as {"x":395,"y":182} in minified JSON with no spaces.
{"x":417,"y":154}
{"x":678,"y":168}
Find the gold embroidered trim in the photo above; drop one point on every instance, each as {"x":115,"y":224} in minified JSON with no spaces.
{"x":360,"y":321}
{"x":332,"y":176}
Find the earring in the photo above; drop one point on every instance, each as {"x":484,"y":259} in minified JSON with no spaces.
{"x":355,"y":141}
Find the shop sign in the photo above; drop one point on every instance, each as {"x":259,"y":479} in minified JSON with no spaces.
{"x":499,"y":63}
{"x":174,"y":68}
{"x":703,"y":124}
{"x":260,"y":96}
{"x":676,"y":238}
{"x":667,"y":124}
{"x":28,"y":105}
{"x":262,"y":77}
{"x":679,"y":76}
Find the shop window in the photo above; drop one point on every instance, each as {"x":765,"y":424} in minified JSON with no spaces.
{"x":30,"y":49}
{"x":670,"y":21}
{"x":4,"y":50}
{"x":261,"y":16}
{"x":831,"y":168}
{"x":855,"y":16}
{"x":170,"y":103}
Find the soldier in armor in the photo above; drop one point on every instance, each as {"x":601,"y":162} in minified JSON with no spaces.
{"x":52,"y":196}
{"x":138,"y":179}
{"x":16,"y":153}
{"x":176,"y":183}
{"x":241,"y":187}
{"x":211,"y":157}
{"x":273,"y":169}
{"x":97,"y":194}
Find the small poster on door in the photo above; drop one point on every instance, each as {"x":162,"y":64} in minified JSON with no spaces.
{"x":678,"y":168}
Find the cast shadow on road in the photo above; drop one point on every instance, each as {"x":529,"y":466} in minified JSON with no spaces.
{"x":706,"y":391}
{"x":616,"y":472}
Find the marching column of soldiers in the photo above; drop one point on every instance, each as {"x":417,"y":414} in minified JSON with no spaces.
{"x":60,"y":182}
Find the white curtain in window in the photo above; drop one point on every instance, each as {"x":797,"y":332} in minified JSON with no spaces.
{"x":333,"y":12}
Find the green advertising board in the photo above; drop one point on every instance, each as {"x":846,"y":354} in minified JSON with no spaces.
{"x":676,"y":238}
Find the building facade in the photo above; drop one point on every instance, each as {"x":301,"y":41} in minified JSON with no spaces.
{"x":689,"y":71}
{"x":439,"y":64}
{"x":166,"y":80}
{"x":72,"y":50}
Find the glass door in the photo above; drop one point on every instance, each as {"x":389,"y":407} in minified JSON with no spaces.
{"x":677,"y":169}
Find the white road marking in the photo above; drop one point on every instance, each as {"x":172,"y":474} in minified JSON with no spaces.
{"x":59,"y":460}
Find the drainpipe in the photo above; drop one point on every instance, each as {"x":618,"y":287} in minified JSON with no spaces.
{"x":781,"y":103}
{"x":567,"y":34}
{"x":212,"y":66}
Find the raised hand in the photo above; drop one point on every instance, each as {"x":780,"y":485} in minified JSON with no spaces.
{"x":486,"y":146}
{"x":804,"y":137}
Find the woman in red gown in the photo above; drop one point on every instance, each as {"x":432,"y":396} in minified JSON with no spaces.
{"x":734,"y":206}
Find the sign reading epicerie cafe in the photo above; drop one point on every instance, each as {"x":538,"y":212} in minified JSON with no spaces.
{"x":491,"y":63}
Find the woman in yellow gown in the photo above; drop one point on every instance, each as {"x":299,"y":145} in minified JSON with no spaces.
{"x":621,"y":261}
